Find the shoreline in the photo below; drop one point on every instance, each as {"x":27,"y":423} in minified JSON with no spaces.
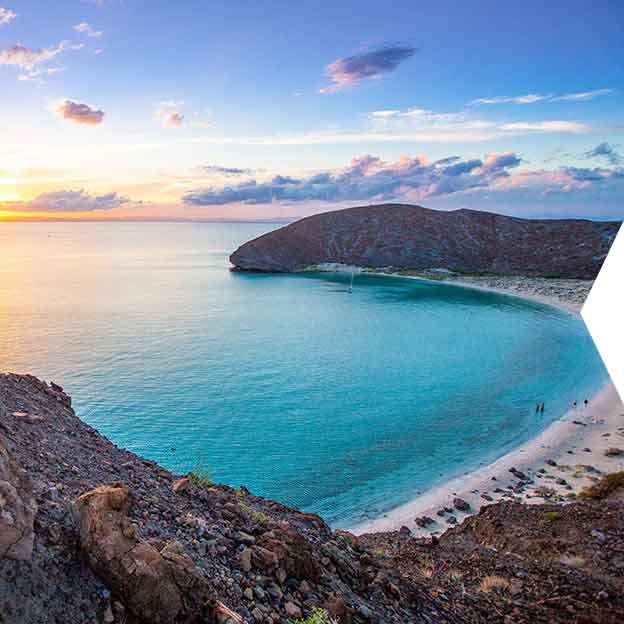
{"x":565,"y":306}
{"x":568,"y":295}
{"x":575,"y":443}
{"x":562,"y":442}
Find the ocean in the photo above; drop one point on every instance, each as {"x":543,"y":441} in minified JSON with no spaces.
{"x":344,"y":404}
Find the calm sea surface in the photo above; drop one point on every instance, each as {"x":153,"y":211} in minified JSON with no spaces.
{"x":342,"y":404}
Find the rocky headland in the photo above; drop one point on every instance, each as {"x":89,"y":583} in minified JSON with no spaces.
{"x":412,"y":237}
{"x":90,"y":532}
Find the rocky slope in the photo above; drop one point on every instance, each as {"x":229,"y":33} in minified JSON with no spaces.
{"x":397,"y":235}
{"x":93,"y":533}
{"x":522,"y":564}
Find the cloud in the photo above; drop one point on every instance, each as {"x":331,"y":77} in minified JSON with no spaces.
{"x":497,"y":162}
{"x":227,"y":171}
{"x":87,"y":29}
{"x":607,"y":151}
{"x":385,"y":114}
{"x":464,"y":125}
{"x":412,"y":179}
{"x":170,"y":103}
{"x":415,"y":125}
{"x":464,"y":121}
{"x":349,"y":71}
{"x":532,"y":98}
{"x":567,"y":180}
{"x":79,"y":113}
{"x":597,"y":174}
{"x":366,"y":178}
{"x":167,"y":115}
{"x":583,"y":96}
{"x":201,"y":124}
{"x":6,"y":16}
{"x":575,"y":127}
{"x":422,"y":117}
{"x":171,"y":120}
{"x":36,"y":75}
{"x":28,"y":58}
{"x":69,"y":201}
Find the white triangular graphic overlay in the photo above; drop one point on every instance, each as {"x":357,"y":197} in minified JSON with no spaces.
{"x":603,"y":312}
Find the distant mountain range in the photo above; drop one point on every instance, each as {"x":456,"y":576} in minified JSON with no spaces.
{"x":413,"y":237}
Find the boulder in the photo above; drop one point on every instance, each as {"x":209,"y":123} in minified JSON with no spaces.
{"x":17,"y":509}
{"x":518,"y":474}
{"x":336,"y":607}
{"x":614,"y":452}
{"x":292,"y":610}
{"x":286,"y":548}
{"x":157,"y":581}
{"x":27,"y":417}
{"x":424,"y":521}
{"x":181,"y":485}
{"x":460,"y":504}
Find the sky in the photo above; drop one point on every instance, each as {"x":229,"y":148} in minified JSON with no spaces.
{"x":139,"y":109}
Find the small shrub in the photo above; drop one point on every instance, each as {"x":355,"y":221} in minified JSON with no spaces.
{"x":257,"y":516}
{"x":240,"y":492}
{"x":426,"y":566}
{"x":603,"y":487}
{"x":319,"y":616}
{"x":201,"y":474}
{"x":614,"y":452}
{"x":455,"y":575}
{"x":490,"y":583}
{"x":552,"y":515}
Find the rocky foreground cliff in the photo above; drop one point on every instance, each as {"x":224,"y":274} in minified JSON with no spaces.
{"x":412,"y":237}
{"x":93,"y":533}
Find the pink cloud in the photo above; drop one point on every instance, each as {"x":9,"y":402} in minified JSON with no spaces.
{"x":79,"y":113}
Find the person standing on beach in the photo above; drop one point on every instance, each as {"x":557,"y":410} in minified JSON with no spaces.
{"x":574,"y":404}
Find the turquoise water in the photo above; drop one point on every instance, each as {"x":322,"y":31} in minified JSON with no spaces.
{"x":342,"y":404}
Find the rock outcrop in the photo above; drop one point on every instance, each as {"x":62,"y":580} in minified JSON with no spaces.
{"x":157,"y":581}
{"x":412,"y":237}
{"x":17,"y":508}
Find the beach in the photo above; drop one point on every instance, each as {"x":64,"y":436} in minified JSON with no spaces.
{"x":569,"y":455}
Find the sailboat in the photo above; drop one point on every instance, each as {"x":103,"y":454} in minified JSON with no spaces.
{"x":350,"y":289}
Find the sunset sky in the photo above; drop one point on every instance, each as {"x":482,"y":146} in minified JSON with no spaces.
{"x":201,"y":110}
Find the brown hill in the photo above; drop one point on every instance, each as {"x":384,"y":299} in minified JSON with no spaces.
{"x":398,"y":235}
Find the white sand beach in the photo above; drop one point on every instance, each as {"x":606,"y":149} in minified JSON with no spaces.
{"x":564,"y":458}
{"x":563,"y":442}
